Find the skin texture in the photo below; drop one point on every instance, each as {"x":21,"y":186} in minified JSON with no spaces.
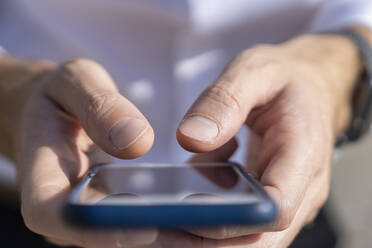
{"x":57,"y":120}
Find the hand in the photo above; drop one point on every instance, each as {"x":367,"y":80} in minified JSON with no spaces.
{"x":67,"y":114}
{"x":295,"y":98}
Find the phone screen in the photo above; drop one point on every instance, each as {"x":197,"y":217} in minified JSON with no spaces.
{"x":167,"y":184}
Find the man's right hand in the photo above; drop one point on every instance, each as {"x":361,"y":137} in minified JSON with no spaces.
{"x":60,"y":120}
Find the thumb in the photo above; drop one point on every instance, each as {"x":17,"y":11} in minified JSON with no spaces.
{"x":251,"y":80}
{"x":85,"y":90}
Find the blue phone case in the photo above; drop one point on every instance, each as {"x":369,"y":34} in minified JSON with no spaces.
{"x":261,"y":212}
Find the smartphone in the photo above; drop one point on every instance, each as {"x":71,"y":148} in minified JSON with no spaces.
{"x":168,"y":196}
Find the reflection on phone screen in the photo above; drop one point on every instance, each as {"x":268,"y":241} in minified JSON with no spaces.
{"x":167,"y":184}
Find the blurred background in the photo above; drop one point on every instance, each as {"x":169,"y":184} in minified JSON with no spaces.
{"x":350,"y":202}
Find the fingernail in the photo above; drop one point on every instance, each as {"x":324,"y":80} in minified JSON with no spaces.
{"x":199,"y":128}
{"x":126,"y":132}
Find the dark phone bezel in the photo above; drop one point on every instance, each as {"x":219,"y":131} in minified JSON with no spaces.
{"x":261,"y":212}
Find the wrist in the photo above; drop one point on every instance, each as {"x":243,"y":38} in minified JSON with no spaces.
{"x":16,"y":76}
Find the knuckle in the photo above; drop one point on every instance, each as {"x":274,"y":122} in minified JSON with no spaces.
{"x":80,"y":64}
{"x":99,"y":104}
{"x":260,"y":57}
{"x":223,"y":95}
{"x":71,"y":71}
{"x":42,"y":65}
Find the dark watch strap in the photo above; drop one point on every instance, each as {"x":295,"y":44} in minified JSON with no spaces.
{"x":362,"y":97}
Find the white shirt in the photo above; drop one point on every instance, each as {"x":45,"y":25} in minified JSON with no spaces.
{"x":163,"y":53}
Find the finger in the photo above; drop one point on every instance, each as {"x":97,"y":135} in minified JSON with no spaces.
{"x":216,"y":116}
{"x":316,"y":194}
{"x":123,"y":239}
{"x":227,"y":232}
{"x":173,"y":239}
{"x":85,"y":90}
{"x":58,"y":242}
{"x":295,"y":148}
{"x":47,"y":178}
